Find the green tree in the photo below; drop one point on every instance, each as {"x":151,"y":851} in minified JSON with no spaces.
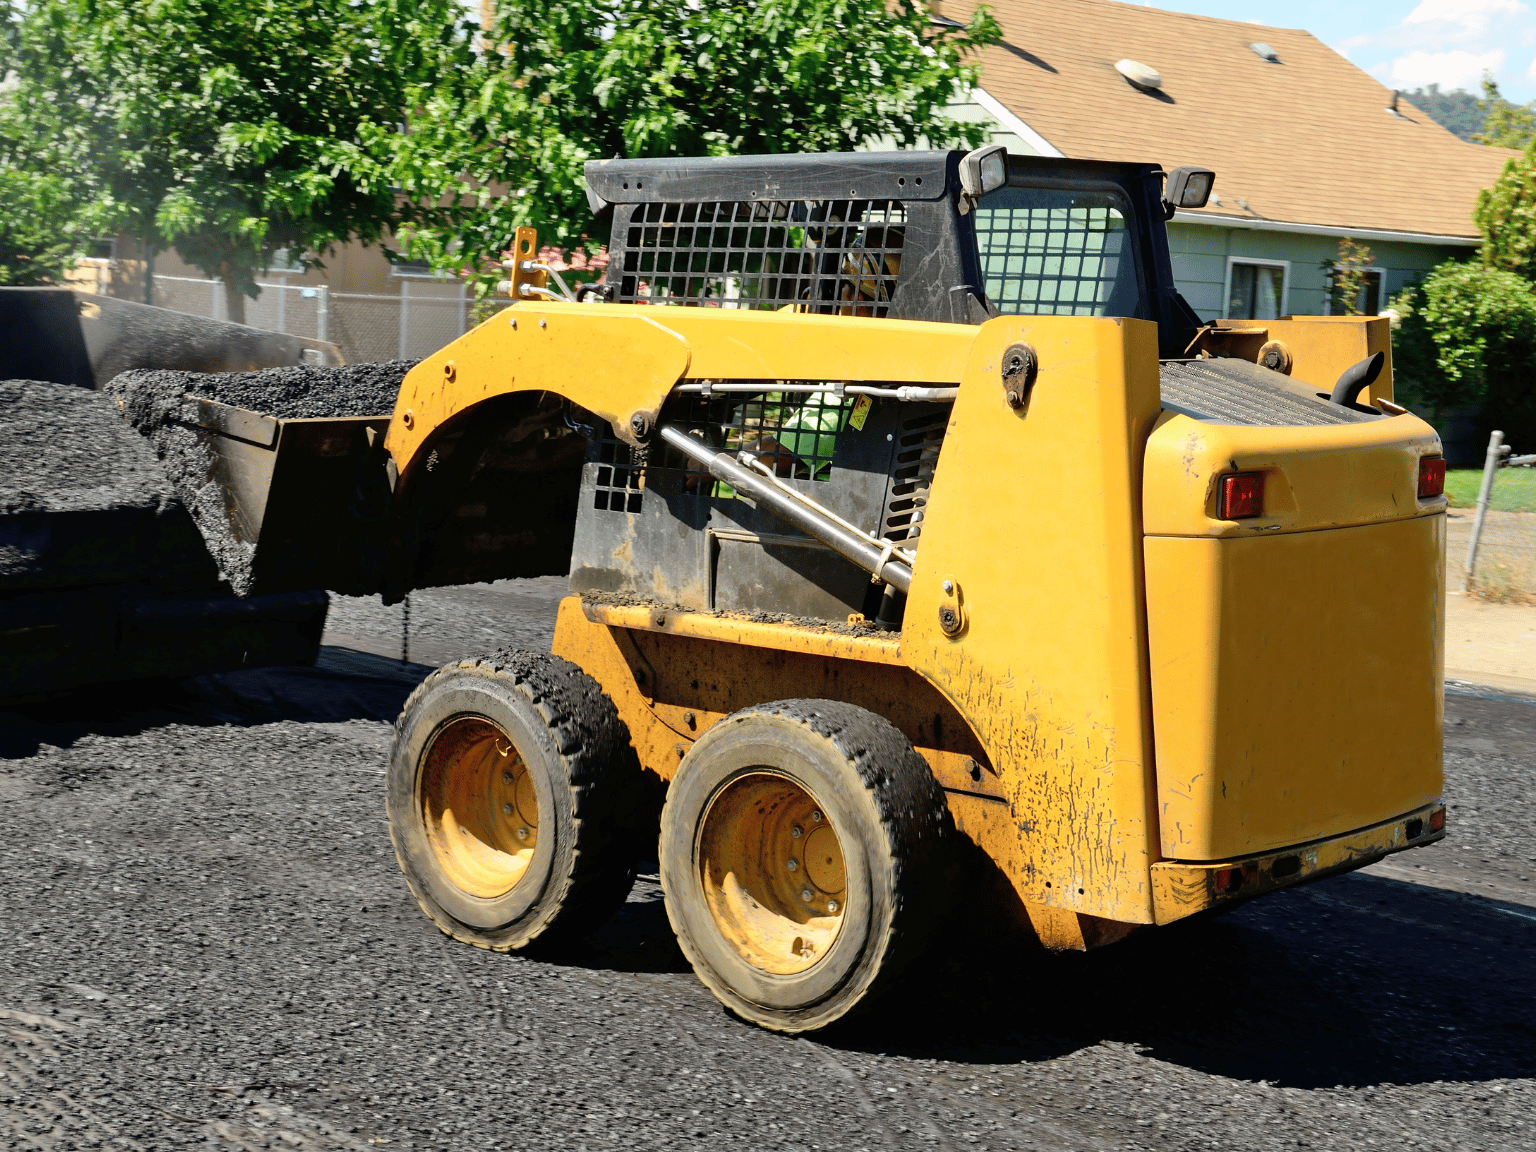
{"x":1467,"y":336}
{"x":1505,"y":125}
{"x":499,"y":137}
{"x":232,"y":128}
{"x":44,"y":210}
{"x":1457,"y":111}
{"x":1506,"y":216}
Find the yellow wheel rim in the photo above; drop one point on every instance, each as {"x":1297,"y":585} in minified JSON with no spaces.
{"x":772,"y":870}
{"x":480,"y":807}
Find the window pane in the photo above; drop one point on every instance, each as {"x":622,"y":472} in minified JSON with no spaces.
{"x":1370,"y":294}
{"x":1244,"y":285}
{"x":1269,"y":282}
{"x":1257,"y":290}
{"x":1057,"y":253}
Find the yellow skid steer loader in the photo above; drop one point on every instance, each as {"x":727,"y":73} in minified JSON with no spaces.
{"x":916,"y":529}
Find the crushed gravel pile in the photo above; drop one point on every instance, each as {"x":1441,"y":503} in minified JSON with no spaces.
{"x":83,"y":501}
{"x":156,"y":404}
{"x":67,"y":449}
{"x":294,"y":393}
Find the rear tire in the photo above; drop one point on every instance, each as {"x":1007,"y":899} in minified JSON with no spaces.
{"x":509,"y":785}
{"x":802,"y":851}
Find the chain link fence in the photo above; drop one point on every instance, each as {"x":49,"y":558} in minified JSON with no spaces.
{"x":414,"y":322}
{"x":1503,"y":557}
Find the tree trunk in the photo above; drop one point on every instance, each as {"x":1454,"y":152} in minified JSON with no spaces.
{"x":234,"y":301}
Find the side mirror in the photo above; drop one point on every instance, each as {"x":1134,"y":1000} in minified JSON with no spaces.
{"x":982,"y":171}
{"x":1187,"y":187}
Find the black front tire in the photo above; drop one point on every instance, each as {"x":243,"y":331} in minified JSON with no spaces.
{"x":509,"y":786}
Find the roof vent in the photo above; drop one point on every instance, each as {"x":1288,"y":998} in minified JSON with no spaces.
{"x":1139,"y":74}
{"x":1265,"y":52}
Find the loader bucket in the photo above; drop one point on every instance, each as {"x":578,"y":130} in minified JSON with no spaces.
{"x":305,"y":503}
{"x":69,"y":337}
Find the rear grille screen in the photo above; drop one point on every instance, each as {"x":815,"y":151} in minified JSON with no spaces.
{"x":839,"y":257}
{"x":1232,"y":391}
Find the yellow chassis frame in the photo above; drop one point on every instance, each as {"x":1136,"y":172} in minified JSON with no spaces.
{"x":1036,"y":713}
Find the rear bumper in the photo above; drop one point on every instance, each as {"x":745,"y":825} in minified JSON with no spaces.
{"x":1181,"y":889}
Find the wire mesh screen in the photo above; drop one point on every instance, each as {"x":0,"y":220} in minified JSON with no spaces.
{"x":831,"y":256}
{"x":620,"y":482}
{"x":1057,"y":253}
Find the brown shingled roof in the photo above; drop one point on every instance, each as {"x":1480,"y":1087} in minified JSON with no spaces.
{"x":1305,"y":141}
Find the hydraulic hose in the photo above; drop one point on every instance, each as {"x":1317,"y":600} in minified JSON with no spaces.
{"x":874,"y":556}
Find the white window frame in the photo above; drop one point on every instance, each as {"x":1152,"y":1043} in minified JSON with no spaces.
{"x":1285,"y":282}
{"x":1382,"y":301}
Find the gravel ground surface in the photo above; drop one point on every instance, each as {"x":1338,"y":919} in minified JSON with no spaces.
{"x":154,"y":404}
{"x":210,"y":945}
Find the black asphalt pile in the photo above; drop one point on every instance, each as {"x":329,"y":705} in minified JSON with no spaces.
{"x":295,"y":393}
{"x":158,"y":404}
{"x":83,"y":499}
{"x":67,"y":449}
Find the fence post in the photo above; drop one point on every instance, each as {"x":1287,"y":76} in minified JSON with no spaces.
{"x":405,"y":315}
{"x":323,"y":318}
{"x":1496,"y":452}
{"x":214,"y":312}
{"x":282,"y":304}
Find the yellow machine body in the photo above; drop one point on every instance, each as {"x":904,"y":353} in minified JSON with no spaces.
{"x":1145,"y":711}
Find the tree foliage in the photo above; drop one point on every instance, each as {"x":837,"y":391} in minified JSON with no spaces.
{"x":499,"y":140}
{"x":1505,"y":125}
{"x":232,"y":128}
{"x":1457,"y":111}
{"x":45,"y":214}
{"x":1506,"y":216}
{"x":1467,"y":337}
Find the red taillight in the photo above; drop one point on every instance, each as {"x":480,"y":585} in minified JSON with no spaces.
{"x":1242,"y":496}
{"x":1229,"y":879}
{"x":1431,"y":476}
{"x":1437,"y":820}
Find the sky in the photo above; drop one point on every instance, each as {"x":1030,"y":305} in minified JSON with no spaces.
{"x":1407,"y":43}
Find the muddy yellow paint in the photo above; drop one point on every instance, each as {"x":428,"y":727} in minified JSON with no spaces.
{"x":1181,"y":889}
{"x":1035,"y":517}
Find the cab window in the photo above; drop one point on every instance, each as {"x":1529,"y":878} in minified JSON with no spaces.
{"x":1058,"y":252}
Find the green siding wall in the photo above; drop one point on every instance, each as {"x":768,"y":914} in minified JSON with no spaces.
{"x":1201,"y":253}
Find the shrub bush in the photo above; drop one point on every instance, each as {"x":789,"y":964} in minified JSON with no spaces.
{"x":1467,"y":337}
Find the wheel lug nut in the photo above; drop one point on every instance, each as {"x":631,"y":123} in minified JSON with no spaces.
{"x":805,"y":894}
{"x":507,"y":808}
{"x":522,"y":833}
{"x":831,"y":905}
{"x":506,"y":777}
{"x":816,"y":816}
{"x":797,"y":832}
{"x":793,"y":865}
